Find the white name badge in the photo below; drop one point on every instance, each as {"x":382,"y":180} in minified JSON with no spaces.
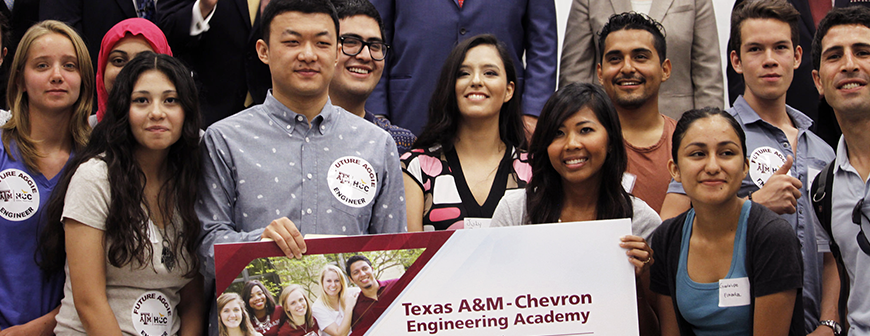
{"x":734,"y":292}
{"x":628,"y":180}
{"x":477,"y":223}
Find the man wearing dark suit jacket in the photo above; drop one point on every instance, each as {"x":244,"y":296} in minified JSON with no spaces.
{"x":423,"y":32}
{"x":217,"y":39}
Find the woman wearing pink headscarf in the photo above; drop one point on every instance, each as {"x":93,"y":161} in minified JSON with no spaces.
{"x":120,"y":44}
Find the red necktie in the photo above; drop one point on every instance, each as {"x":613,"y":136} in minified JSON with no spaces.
{"x":460,"y":3}
{"x":819,"y":8}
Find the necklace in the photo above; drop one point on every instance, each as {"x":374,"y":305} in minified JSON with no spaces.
{"x":262,"y":325}
{"x":167,"y":256}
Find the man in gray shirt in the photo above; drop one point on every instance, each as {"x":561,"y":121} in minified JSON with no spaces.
{"x":297,"y":164}
{"x":842,"y":72}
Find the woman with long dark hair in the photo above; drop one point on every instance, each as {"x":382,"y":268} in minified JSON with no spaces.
{"x":265,"y":314}
{"x":471,"y":150}
{"x":124,"y":211}
{"x":727,"y":266}
{"x":578,"y":159}
{"x":50,"y":94}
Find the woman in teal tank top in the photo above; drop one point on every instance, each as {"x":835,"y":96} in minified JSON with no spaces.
{"x":727,"y":266}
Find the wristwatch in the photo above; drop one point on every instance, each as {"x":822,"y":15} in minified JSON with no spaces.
{"x":833,"y":325}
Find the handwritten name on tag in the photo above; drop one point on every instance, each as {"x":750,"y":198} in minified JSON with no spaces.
{"x":477,"y":223}
{"x":734,"y":292}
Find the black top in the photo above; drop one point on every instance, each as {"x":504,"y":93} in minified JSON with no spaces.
{"x":773,"y":261}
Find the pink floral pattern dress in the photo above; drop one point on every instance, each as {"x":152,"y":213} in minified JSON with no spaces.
{"x":447,"y":198}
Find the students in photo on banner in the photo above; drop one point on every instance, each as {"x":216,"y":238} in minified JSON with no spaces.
{"x":841,"y":59}
{"x":633,"y":67}
{"x":360,"y":270}
{"x":728,"y":265}
{"x":334,"y":306}
{"x":233,"y":317}
{"x":358,"y":70}
{"x":577,"y":159}
{"x":298,"y":319}
{"x":120,"y":45}
{"x":50,"y":97}
{"x":123,"y":213}
{"x":260,"y":305}
{"x":473,"y":147}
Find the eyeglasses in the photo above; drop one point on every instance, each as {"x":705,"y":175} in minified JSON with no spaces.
{"x":352,"y":46}
{"x":856,"y":218}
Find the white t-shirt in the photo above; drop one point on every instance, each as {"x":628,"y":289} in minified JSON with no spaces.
{"x":144,"y":300}
{"x":511,"y":211}
{"x":326,"y":316}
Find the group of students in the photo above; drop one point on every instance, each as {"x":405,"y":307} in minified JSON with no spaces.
{"x":128,"y":211}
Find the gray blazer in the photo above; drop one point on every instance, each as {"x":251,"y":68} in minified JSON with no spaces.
{"x":693,"y":48}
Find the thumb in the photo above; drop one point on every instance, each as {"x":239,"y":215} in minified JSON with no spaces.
{"x":789,"y":160}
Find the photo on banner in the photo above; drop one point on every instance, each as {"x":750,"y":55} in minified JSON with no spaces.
{"x":564,"y":279}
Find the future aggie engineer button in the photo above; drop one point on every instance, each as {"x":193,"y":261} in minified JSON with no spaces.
{"x":19,"y":196}
{"x":353,"y":181}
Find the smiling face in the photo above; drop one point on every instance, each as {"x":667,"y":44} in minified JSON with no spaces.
{"x":301,"y":54}
{"x":362,"y":274}
{"x":631,"y":71}
{"x":296,"y":305}
{"x":331,"y":283}
{"x":711,"y":163}
{"x":767,"y":58}
{"x":481,"y":83}
{"x":52,"y":79}
{"x":257,"y":302}
{"x":156,"y":115}
{"x":123,"y":51}
{"x":231,"y":314}
{"x":579,"y":149}
{"x":357,"y":76}
{"x":844,"y":70}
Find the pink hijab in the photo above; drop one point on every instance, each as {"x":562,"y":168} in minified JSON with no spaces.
{"x":128,"y":27}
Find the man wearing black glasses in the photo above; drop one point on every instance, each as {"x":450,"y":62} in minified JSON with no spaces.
{"x":361,"y":64}
{"x":841,"y":59}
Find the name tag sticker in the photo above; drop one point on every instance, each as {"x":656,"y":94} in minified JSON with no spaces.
{"x":734,"y":292}
{"x":628,"y":180}
{"x":477,"y":223}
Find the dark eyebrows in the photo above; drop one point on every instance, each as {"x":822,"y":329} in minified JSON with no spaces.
{"x":704,"y":145}
{"x":295,"y":33}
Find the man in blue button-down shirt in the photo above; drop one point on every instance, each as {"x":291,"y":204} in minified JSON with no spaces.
{"x":297,"y":164}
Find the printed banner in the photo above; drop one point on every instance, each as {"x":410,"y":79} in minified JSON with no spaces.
{"x":555,"y":279}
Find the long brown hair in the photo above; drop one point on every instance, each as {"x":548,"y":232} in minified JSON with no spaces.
{"x":17,"y":129}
